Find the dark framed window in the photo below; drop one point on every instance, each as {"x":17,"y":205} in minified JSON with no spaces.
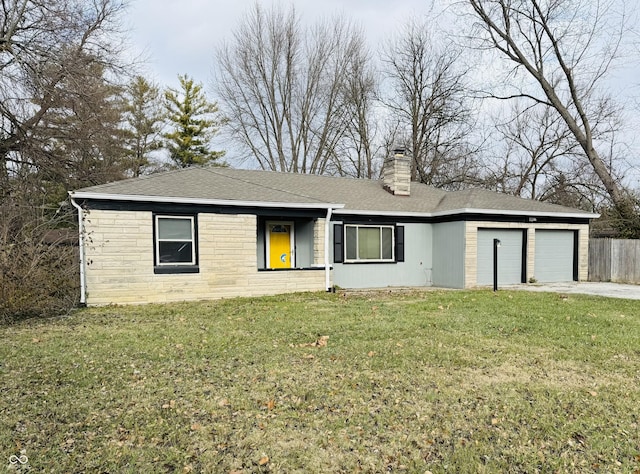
{"x":369,"y":243}
{"x":175,"y":244}
{"x":366,"y":243}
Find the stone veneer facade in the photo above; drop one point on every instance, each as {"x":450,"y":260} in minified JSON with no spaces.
{"x":120,"y":262}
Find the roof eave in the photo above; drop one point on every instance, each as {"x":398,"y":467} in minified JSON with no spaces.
{"x":510,"y":212}
{"x":357,"y":212}
{"x":198,"y":201}
{"x":338,"y":208}
{"x":452,"y":212}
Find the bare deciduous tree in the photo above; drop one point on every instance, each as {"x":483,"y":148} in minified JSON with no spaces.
{"x":282,"y":86}
{"x":567,"y":47}
{"x":46,"y":46}
{"x":355,"y":154}
{"x":533,"y":147}
{"x":428,"y":99}
{"x":59,"y":118}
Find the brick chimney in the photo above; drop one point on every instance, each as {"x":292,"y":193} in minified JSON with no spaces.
{"x":397,"y":173}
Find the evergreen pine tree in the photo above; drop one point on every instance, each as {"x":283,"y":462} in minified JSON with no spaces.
{"x":195,"y":121}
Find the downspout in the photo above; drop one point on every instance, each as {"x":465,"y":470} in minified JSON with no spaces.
{"x":83,"y":280}
{"x":327,"y":236}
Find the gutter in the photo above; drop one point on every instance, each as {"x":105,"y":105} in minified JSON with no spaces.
{"x":83,"y":278}
{"x":458,"y":212}
{"x":210,"y":202}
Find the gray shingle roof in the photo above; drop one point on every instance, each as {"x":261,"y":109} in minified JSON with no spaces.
{"x":357,"y":195}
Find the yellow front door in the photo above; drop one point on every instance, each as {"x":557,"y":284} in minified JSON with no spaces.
{"x":280,"y":246}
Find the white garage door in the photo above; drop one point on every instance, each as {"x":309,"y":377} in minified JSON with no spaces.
{"x":555,"y":260}
{"x":510,"y":256}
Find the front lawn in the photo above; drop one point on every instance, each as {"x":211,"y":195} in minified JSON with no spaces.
{"x":439,"y":381}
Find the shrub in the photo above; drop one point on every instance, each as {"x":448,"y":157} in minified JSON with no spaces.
{"x":38,"y":265}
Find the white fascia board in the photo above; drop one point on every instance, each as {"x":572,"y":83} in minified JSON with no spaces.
{"x":509,"y":212}
{"x":454,"y":212}
{"x":208,"y":202}
{"x":381,"y":213}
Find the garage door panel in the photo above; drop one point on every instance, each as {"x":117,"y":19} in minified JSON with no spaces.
{"x":555,"y":255}
{"x":510,"y":256}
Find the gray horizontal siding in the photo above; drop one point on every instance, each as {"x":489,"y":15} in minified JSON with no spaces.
{"x":448,"y":254}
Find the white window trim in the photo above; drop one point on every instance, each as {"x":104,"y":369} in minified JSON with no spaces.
{"x":158,"y":240}
{"x":370,"y":260}
{"x":268,"y":224}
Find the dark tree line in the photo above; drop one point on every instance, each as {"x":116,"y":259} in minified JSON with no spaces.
{"x":71,"y":115}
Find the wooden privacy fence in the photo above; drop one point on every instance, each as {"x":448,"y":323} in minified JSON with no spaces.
{"x":614,"y":260}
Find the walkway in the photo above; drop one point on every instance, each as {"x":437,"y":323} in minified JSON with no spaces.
{"x":612,"y":290}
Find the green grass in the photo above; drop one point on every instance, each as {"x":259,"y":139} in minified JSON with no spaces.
{"x":439,"y":381}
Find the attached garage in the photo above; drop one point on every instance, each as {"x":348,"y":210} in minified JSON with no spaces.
{"x":556,"y":258}
{"x":511,"y":256}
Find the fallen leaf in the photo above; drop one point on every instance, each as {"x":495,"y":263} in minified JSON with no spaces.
{"x":263,"y":460}
{"x":371,"y":353}
{"x":271,"y":404}
{"x":322,"y":341}
{"x":171,"y":404}
{"x":35,"y":340}
{"x":579,"y":438}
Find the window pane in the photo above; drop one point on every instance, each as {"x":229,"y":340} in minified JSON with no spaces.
{"x":369,"y":243}
{"x":387,"y":243}
{"x":352,"y":248}
{"x":175,"y":252}
{"x":174,"y":229}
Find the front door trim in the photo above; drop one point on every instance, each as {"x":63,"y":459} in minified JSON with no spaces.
{"x":268,"y":226}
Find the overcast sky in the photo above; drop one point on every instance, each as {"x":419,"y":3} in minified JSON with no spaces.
{"x":179,"y":37}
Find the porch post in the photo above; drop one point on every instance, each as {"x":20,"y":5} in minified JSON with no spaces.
{"x":327,"y":237}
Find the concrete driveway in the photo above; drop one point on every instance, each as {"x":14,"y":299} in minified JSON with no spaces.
{"x":612,"y":290}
